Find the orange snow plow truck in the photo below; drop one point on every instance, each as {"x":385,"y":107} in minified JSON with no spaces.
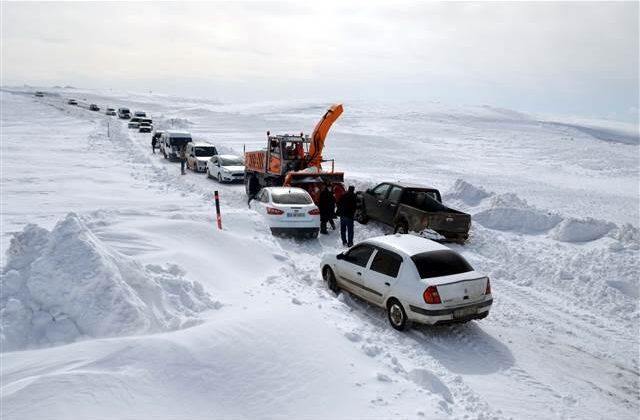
{"x":294,"y":160}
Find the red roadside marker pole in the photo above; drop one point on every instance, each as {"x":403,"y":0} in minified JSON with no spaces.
{"x":218,"y":216}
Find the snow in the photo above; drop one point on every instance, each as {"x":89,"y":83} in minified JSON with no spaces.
{"x":66,"y":284}
{"x":113,"y":237}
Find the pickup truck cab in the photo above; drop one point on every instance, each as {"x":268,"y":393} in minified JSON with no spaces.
{"x":408,"y":207}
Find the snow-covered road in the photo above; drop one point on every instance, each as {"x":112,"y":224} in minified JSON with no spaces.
{"x":561,"y":341}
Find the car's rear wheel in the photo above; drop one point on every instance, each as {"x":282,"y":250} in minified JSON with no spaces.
{"x":330,"y":278}
{"x":397,"y":316}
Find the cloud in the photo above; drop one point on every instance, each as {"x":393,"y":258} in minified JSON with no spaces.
{"x":484,"y":49}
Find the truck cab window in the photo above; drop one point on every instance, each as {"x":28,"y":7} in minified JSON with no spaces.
{"x":395,"y":194}
{"x":381,"y":190}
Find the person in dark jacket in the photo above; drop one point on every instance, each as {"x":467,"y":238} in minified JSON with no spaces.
{"x":347,"y":211}
{"x":154,"y":142}
{"x":327,"y":207}
{"x":183,"y":158}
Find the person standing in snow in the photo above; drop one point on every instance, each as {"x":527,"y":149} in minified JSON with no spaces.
{"x":327,"y":206}
{"x":183,"y":158}
{"x":347,"y":211}
{"x":154,"y":141}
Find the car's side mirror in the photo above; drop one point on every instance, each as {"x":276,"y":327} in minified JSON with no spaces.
{"x":369,"y":190}
{"x":340,"y":256}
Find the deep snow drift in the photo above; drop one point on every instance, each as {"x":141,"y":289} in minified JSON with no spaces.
{"x":66,"y":284}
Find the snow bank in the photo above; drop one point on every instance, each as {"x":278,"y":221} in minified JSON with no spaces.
{"x":467,"y":193}
{"x":66,"y":284}
{"x":510,"y":213}
{"x":584,"y":230}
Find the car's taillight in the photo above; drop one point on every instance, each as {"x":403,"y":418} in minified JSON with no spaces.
{"x":314,"y":212}
{"x":271,"y":210}
{"x":487,"y":291}
{"x":431,"y":295}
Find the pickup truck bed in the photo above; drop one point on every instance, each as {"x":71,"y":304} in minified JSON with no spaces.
{"x":412,"y":208}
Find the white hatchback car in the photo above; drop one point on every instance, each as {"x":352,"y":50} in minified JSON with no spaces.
{"x":226,"y":168}
{"x":198,"y":154}
{"x":413,"y":278}
{"x":288,"y":211}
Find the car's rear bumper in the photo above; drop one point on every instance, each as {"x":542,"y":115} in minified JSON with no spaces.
{"x":446,"y":315}
{"x":295,"y":231}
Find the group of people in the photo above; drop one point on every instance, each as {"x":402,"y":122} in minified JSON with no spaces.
{"x":344,"y":207}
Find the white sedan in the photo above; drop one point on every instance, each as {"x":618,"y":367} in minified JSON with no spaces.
{"x":226,"y":168}
{"x":413,"y":278}
{"x":288,"y":211}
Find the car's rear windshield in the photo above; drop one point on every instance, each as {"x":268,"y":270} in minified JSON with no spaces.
{"x":177,"y":141}
{"x":440,"y":263}
{"x":204,"y":151}
{"x":124,"y":109}
{"x":231,"y":162}
{"x":292,"y":197}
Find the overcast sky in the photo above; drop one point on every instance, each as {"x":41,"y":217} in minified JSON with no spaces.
{"x":573,"y":58}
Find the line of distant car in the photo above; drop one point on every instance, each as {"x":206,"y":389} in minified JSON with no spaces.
{"x":413,"y":278}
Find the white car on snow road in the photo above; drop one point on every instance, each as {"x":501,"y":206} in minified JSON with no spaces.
{"x":413,"y":278}
{"x":288,"y":211}
{"x":226,"y":168}
{"x":198,"y":154}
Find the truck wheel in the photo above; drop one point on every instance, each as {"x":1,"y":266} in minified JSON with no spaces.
{"x":361,"y":217}
{"x":401,"y":227}
{"x":251,"y":185}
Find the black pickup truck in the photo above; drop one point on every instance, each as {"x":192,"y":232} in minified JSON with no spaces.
{"x":412,"y":208}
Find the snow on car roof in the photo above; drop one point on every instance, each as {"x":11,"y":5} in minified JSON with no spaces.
{"x":173,"y":133}
{"x":408,"y":244}
{"x":285,"y":190}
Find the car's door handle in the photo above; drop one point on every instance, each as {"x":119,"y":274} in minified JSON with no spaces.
{"x":359,"y":273}
{"x":387,"y":284}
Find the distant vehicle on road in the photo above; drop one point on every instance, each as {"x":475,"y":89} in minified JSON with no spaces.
{"x":415,"y":208}
{"x":171,"y":142}
{"x":110,"y":111}
{"x":72,"y":102}
{"x":134,"y":122}
{"x":226,"y":168}
{"x":145,"y":127}
{"x":413,"y":278}
{"x":39,"y":94}
{"x":198,"y":154}
{"x":140,"y":114}
{"x":124,"y":113}
{"x":94,"y":107}
{"x":288,"y":211}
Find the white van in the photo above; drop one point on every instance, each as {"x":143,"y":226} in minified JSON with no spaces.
{"x":171,"y":142}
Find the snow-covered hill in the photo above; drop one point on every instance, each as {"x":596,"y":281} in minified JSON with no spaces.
{"x":555,"y":210}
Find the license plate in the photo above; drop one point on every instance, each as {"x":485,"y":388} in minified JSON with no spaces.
{"x":463,"y":312}
{"x":295,"y":214}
